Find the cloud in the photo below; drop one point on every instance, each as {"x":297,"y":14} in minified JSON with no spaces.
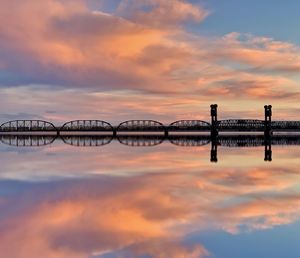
{"x":142,"y":49}
{"x":262,"y":54}
{"x":162,"y":249}
{"x":74,"y":46}
{"x":161,"y":12}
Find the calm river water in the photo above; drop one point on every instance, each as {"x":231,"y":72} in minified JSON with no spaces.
{"x":163,"y":201}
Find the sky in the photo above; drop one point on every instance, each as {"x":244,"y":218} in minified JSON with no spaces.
{"x":165,"y":60}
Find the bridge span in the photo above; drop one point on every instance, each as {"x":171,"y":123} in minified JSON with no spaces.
{"x":214,"y":127}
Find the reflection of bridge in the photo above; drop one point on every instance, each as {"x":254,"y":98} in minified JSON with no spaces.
{"x":87,"y":140}
{"x":27,"y":140}
{"x":230,"y":141}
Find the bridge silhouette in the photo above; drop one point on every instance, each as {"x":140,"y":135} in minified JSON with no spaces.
{"x":266,"y":126}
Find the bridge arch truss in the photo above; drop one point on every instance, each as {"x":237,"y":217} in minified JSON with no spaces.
{"x":27,"y":126}
{"x":241,"y":125}
{"x":189,"y":125}
{"x":141,"y":126}
{"x":87,"y":125}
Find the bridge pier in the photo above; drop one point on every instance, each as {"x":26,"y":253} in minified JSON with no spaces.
{"x":214,"y":120}
{"x":166,"y":133}
{"x":114,"y":132}
{"x":268,"y":120}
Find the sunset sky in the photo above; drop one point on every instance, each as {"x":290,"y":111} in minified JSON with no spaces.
{"x":164,"y":60}
{"x":115,"y":60}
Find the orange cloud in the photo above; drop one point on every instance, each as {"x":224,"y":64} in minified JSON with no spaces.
{"x":262,"y":53}
{"x":80,"y":46}
{"x":141,"y":52}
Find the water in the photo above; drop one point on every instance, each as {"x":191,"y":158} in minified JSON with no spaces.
{"x":162,"y":201}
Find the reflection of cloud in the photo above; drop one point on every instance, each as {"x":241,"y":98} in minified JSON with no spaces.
{"x":91,"y":216}
{"x":146,"y":214}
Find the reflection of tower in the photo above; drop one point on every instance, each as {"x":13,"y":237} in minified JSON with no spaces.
{"x":214,"y":150}
{"x":214,"y":119}
{"x":268,"y":120}
{"x":268,"y":148}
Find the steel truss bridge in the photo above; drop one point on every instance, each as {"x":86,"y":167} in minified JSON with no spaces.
{"x":148,"y":126}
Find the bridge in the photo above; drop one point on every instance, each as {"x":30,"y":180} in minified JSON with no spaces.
{"x":214,"y":127}
{"x":150,"y":133}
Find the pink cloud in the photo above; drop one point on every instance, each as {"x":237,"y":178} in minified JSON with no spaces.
{"x":146,"y":58}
